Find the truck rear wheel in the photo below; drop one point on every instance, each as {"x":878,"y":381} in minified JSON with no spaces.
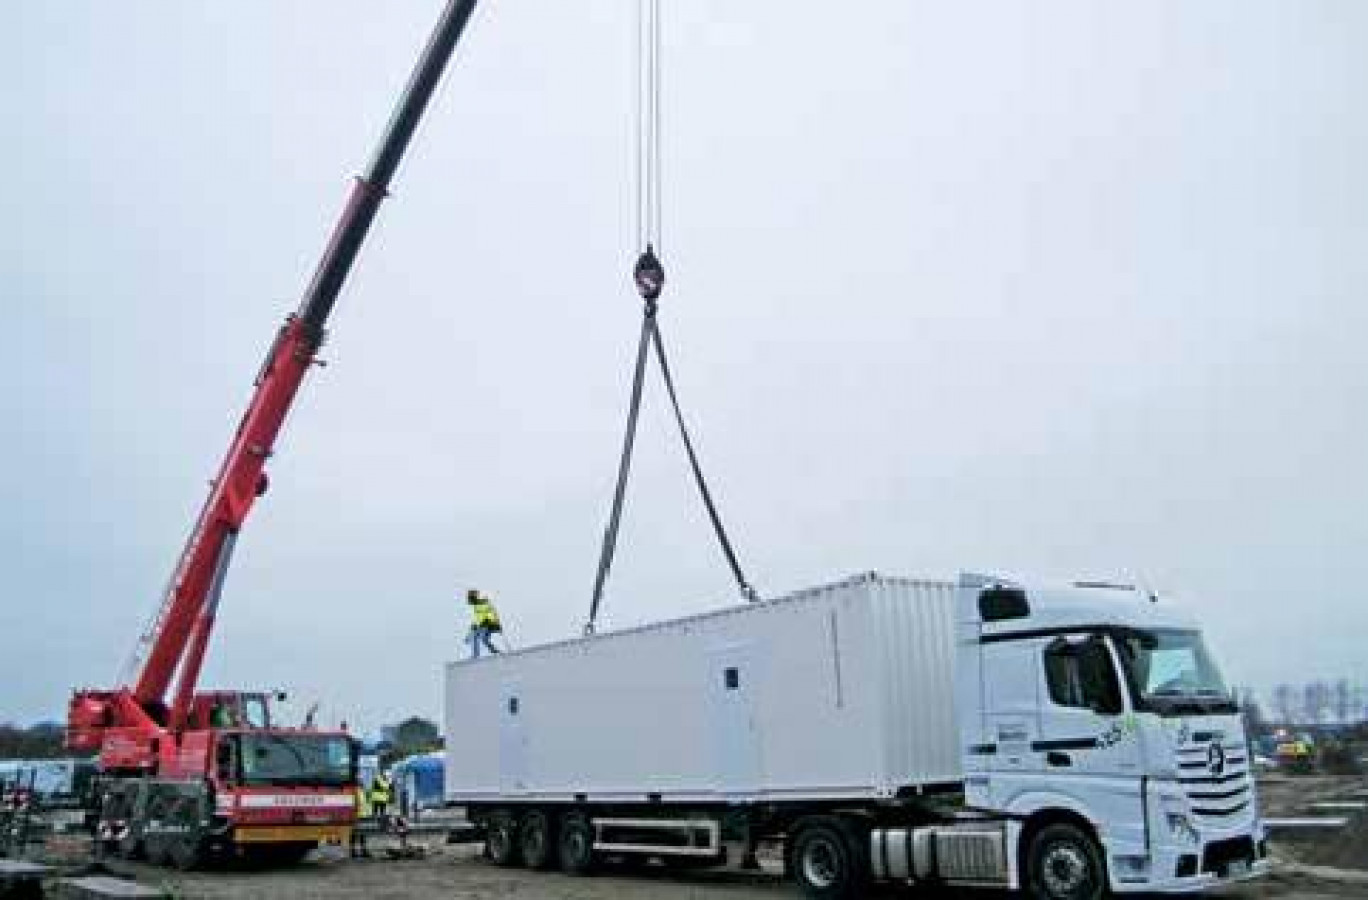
{"x":828,"y":861}
{"x":536,"y":840}
{"x":185,"y":853}
{"x":1065,"y":863}
{"x":501,"y":839}
{"x":576,"y":844}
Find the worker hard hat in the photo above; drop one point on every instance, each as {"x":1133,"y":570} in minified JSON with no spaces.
{"x":472,"y":596}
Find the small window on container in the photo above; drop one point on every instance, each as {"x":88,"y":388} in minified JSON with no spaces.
{"x":512,"y":706}
{"x":731,"y":678}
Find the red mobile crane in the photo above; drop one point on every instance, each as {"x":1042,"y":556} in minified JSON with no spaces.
{"x":191,"y":773}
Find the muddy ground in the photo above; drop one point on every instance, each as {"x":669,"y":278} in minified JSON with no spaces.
{"x":459,"y":874}
{"x":1331,"y":867}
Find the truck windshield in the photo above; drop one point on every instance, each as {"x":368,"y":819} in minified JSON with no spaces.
{"x":267,"y":758}
{"x":1171,"y":673}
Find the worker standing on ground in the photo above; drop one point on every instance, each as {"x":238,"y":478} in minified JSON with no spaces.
{"x":484,"y":623}
{"x":380,"y":792}
{"x":363,"y":812}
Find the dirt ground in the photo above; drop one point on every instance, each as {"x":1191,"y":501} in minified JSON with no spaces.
{"x":1335,"y":867}
{"x":458,"y":873}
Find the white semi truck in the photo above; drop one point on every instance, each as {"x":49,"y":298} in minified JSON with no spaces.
{"x":1066,"y":740}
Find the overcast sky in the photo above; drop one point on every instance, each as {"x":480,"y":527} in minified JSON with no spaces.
{"x":1067,"y":288}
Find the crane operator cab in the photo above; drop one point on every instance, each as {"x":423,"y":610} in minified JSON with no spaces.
{"x":231,"y":709}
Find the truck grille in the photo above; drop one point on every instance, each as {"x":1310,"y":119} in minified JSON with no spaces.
{"x":1215,"y":777}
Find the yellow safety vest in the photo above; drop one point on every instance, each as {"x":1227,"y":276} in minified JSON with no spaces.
{"x":380,"y":789}
{"x":485,"y":615}
{"x":363,"y":807}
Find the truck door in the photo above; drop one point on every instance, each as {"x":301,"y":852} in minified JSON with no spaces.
{"x":1089,"y":748}
{"x":733,"y":679}
{"x":1011,"y":708}
{"x":512,"y":741}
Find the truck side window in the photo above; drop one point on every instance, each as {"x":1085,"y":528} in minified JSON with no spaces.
{"x":1080,"y":674}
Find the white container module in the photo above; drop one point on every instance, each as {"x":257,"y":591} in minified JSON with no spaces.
{"x":839,"y":692}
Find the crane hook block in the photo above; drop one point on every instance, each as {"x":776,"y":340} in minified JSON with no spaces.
{"x":649,"y":275}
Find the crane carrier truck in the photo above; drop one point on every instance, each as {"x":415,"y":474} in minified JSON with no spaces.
{"x":187,"y":773}
{"x":1067,"y":740}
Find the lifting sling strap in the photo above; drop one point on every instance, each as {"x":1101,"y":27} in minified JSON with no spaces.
{"x":649,"y":277}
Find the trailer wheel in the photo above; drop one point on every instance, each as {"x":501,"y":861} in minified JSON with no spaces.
{"x":576,"y":844}
{"x":827,"y":861}
{"x":536,"y":840}
{"x":1065,"y":863}
{"x":501,"y":839}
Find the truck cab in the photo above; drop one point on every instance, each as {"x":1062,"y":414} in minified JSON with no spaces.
{"x":1094,"y":719}
{"x":234,"y":783}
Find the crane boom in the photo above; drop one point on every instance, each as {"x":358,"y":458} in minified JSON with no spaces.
{"x":180,"y":632}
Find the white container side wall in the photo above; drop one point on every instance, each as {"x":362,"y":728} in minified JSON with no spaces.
{"x":842,"y":691}
{"x":915,"y":622}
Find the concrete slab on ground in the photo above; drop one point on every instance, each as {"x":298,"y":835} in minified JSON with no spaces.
{"x":97,"y":887}
{"x":21,"y":878}
{"x":1306,"y":823}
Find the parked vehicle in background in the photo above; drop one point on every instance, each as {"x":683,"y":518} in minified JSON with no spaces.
{"x":419,"y":782}
{"x":1062,"y":739}
{"x":59,"y":782}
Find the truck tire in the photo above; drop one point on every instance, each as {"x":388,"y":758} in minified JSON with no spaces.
{"x":576,"y":844}
{"x":131,"y":847}
{"x":827,"y":859}
{"x":501,"y":840}
{"x":1064,"y":862}
{"x":186,"y":853}
{"x":537,"y":840}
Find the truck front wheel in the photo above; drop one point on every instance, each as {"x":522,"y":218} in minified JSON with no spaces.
{"x":1065,"y":863}
{"x":827,"y":862}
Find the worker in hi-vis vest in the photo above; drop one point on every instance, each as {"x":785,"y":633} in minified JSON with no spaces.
{"x":381,"y":791}
{"x":357,"y":844}
{"x":484,"y":623}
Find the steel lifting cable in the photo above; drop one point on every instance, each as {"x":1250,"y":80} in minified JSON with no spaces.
{"x":649,"y":277}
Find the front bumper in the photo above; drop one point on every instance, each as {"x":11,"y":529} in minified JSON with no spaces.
{"x":291,"y":834}
{"x":1191,"y":868}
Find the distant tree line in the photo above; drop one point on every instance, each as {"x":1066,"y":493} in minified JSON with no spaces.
{"x":41,"y":741}
{"x":412,"y":736}
{"x":1339,"y":702}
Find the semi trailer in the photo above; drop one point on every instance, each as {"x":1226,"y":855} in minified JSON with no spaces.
{"x":1069,"y":740}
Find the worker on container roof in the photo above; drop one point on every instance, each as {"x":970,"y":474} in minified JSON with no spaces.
{"x":484,"y":623}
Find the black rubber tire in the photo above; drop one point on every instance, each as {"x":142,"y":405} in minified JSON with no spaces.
{"x":131,"y":848}
{"x":501,"y":840}
{"x":575,"y":844}
{"x":537,"y":840}
{"x":158,"y":852}
{"x":828,"y":861}
{"x":187,"y":853}
{"x":1064,"y":862}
